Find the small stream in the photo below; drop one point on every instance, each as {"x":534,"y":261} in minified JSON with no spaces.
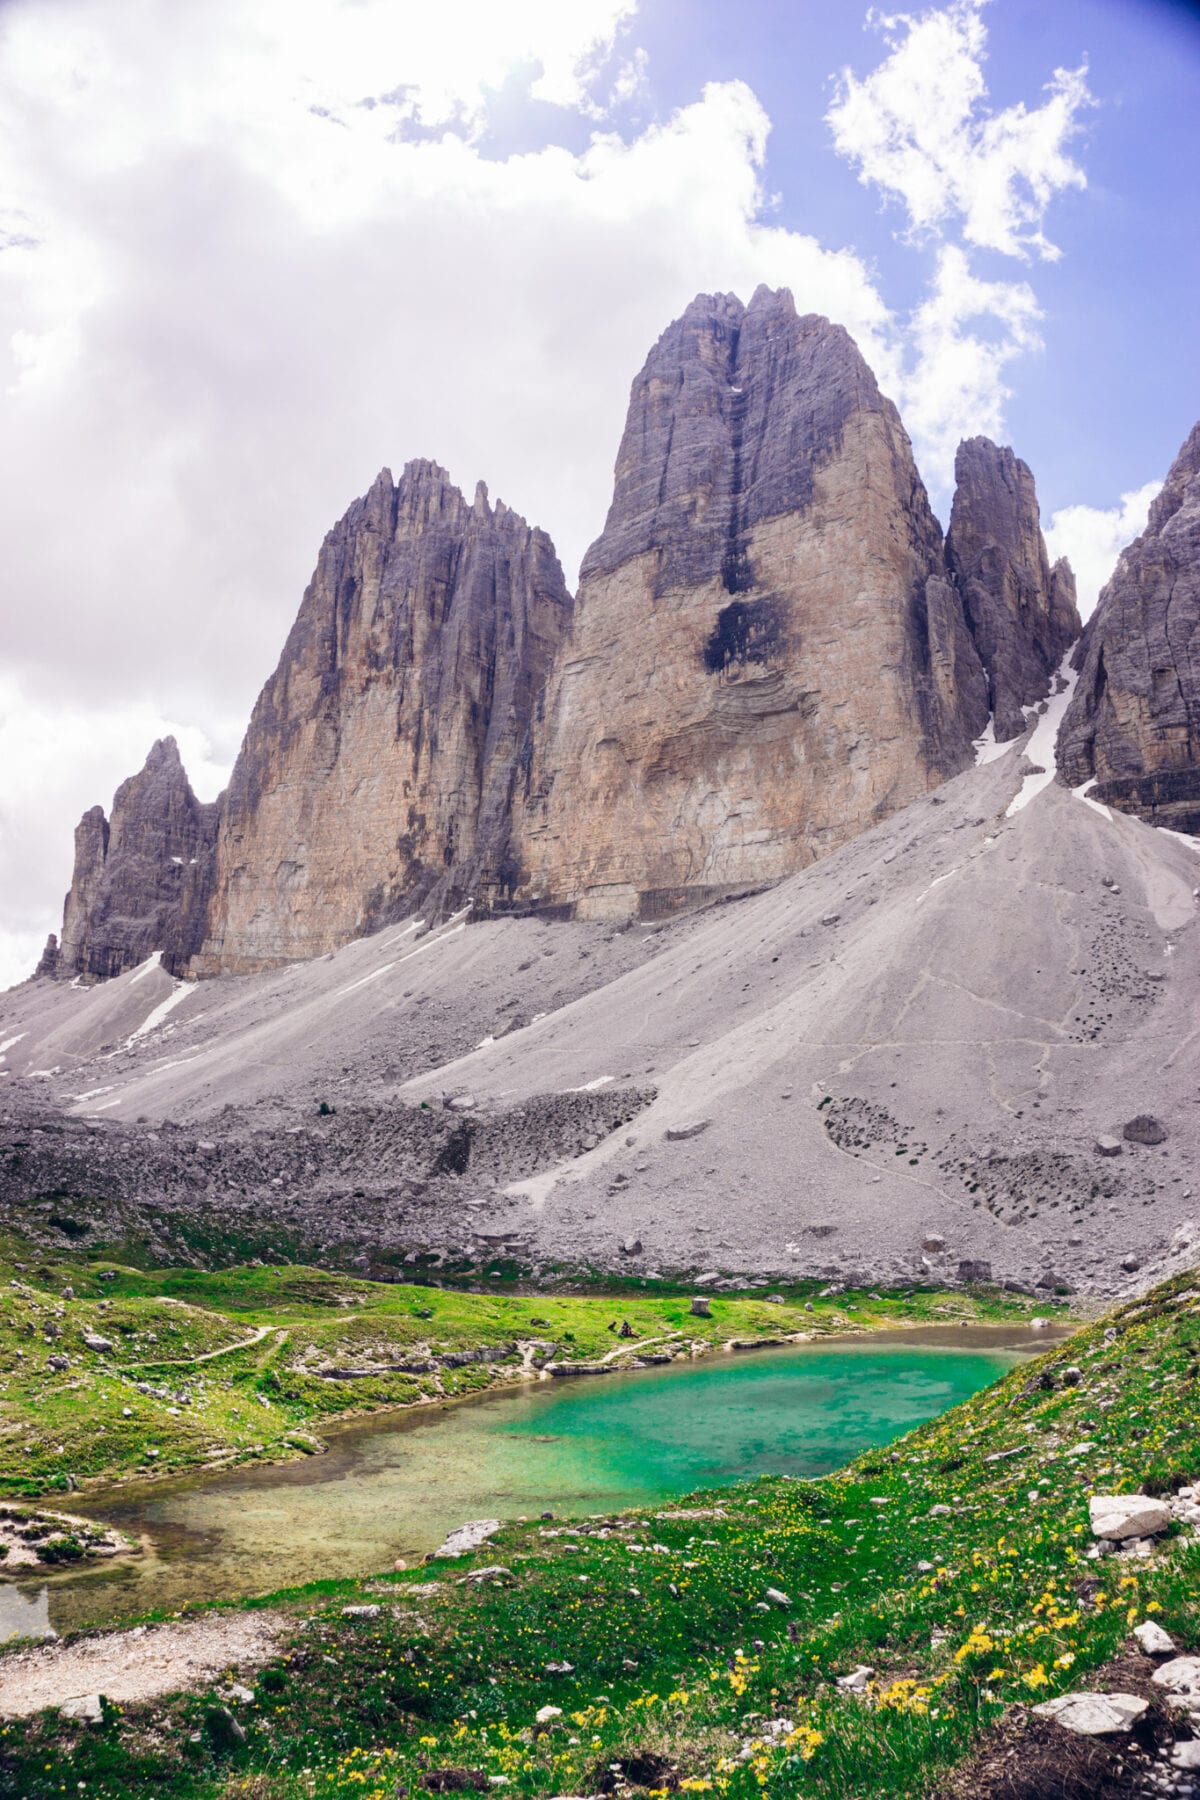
{"x":392,"y":1487}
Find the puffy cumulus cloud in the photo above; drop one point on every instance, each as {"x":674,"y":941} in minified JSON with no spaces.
{"x":1093,"y":537}
{"x":254,"y":252}
{"x":919,"y":128}
{"x":955,"y":386}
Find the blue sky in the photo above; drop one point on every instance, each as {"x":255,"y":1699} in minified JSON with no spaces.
{"x":253,"y":250}
{"x":1115,"y":390}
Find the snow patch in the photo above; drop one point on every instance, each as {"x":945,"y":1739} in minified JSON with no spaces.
{"x":363,"y":980}
{"x":1081,"y":793}
{"x":1181,"y":837}
{"x":591,"y":1087}
{"x":986,"y":747}
{"x":144,"y":969}
{"x":155,"y":1017}
{"x":9,"y":1042}
{"x":1041,"y":747}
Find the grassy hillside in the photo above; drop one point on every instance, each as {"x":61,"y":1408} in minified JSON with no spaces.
{"x":954,"y":1564}
{"x":189,"y":1368}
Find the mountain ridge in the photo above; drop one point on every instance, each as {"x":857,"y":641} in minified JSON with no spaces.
{"x":772,"y":649}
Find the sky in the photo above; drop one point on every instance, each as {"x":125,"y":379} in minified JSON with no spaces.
{"x":251,"y":251}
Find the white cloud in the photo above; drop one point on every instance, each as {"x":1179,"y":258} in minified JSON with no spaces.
{"x":970,"y":178}
{"x":956,"y":385}
{"x":1093,"y":537}
{"x":919,"y":129}
{"x":250,"y":289}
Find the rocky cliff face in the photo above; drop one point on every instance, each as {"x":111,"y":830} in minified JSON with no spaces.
{"x":383,"y":756}
{"x":1134,"y":720}
{"x":771,"y":650}
{"x":142,"y":877}
{"x":767,"y":655}
{"x":1021,"y":612}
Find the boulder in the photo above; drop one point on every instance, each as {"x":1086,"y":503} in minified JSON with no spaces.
{"x":1145,"y":1129}
{"x":1179,"y":1676}
{"x":468,"y":1537}
{"x":87,"y":1709}
{"x":1107,"y":1146}
{"x":1153,"y":1639}
{"x":974,"y":1269}
{"x":1121,"y":1516}
{"x":1093,"y":1715}
{"x":857,"y":1681}
{"x":701,"y":1307}
{"x":676,"y":1134}
{"x":631,"y":1246}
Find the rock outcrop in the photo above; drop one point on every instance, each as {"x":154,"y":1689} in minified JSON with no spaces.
{"x":772,"y":650}
{"x":767,"y":655}
{"x":379,"y":771}
{"x":1133,"y":724}
{"x":1021,"y":612}
{"x":142,"y":876}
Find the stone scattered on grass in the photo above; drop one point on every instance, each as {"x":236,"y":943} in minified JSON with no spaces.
{"x":777,"y":1597}
{"x":87,"y":1709}
{"x":468,"y":1537}
{"x":857,"y":1681}
{"x":1120,"y":1516}
{"x":360,"y":1612}
{"x":1093,"y":1715}
{"x":1153,"y":1639}
{"x":1180,"y":1676}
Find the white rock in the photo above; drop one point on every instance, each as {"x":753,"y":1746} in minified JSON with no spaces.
{"x":1186,"y":1755}
{"x":1093,"y":1715}
{"x":87,"y":1708}
{"x":360,"y":1612}
{"x":468,"y":1537}
{"x":544,"y":1714}
{"x":1180,"y":1676}
{"x":1127,"y":1515}
{"x":493,"y":1572}
{"x":856,"y":1681}
{"x":778,"y":1597}
{"x":1153,"y":1639}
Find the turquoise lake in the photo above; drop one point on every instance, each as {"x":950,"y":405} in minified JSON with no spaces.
{"x":392,"y":1487}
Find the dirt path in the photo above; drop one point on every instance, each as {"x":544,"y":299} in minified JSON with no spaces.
{"x":137,"y":1665}
{"x":186,"y":1362}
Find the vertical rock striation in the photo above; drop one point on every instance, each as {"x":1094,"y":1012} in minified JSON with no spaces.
{"x":1021,"y":612}
{"x":767,"y":655}
{"x":1134,"y":720}
{"x":380,"y":767}
{"x":142,"y":877}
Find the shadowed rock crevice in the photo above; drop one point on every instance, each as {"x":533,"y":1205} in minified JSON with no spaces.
{"x":1134,"y":720}
{"x":1021,"y":612}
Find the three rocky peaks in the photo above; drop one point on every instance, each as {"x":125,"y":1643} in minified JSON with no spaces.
{"x":771,"y":649}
